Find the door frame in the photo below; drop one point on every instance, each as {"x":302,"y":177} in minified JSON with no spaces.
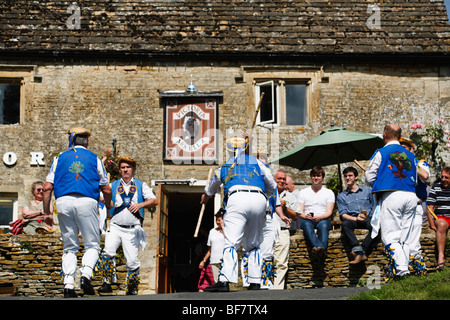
{"x":165,"y":187}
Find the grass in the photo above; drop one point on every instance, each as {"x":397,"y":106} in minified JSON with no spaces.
{"x":433,"y":286}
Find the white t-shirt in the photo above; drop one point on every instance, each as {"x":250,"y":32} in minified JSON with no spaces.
{"x":216,"y":241}
{"x":316,"y":202}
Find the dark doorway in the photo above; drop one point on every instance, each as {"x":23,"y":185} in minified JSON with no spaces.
{"x":185,"y":251}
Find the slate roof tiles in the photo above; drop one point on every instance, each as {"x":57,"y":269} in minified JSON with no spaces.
{"x":228,"y":26}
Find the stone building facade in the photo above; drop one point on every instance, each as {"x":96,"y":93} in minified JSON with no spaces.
{"x":110,"y":65}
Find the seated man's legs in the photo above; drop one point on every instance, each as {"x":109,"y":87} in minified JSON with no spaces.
{"x":323,"y":230}
{"x":348,"y":228}
{"x":441,"y":239}
{"x":308,"y":227}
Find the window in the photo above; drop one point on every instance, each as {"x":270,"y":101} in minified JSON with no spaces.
{"x":8,"y":209}
{"x":284,"y":102}
{"x":10,"y":101}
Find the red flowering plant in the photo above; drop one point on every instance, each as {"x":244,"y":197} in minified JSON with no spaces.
{"x":431,"y":141}
{"x":111,"y":163}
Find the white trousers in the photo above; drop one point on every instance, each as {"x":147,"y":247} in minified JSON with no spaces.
{"x":270,"y":237}
{"x":395,"y":219}
{"x":243,"y":223}
{"x":78,"y":214}
{"x":130,"y":244}
{"x":416,"y":231}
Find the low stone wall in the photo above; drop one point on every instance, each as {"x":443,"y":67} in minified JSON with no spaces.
{"x":335,"y":271}
{"x":32,"y":263}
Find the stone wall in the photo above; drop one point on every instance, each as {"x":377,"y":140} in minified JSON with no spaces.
{"x":336,"y":271}
{"x":33,"y":264}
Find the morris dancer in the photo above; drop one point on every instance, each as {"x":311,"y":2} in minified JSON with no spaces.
{"x":392,"y":174}
{"x":416,"y":261}
{"x":76,"y":176}
{"x":271,"y":233}
{"x":130,"y":196}
{"x":247,"y":183}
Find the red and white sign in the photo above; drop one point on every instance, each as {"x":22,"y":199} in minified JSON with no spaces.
{"x":191,"y":125}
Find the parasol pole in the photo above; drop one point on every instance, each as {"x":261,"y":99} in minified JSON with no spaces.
{"x":340,"y":177}
{"x":339,"y":169}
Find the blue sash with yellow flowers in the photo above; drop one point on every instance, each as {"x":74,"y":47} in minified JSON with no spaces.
{"x":117,"y":187}
{"x":126,"y":197}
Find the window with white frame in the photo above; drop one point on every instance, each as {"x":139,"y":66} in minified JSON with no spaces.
{"x":8,"y":209}
{"x":284,"y":102}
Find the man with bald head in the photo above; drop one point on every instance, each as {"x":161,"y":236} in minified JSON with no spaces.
{"x":392,"y":174}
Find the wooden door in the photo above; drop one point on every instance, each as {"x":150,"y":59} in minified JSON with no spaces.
{"x":162,"y":258}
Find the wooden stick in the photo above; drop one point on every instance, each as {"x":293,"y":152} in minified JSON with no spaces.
{"x":432,"y":213}
{"x":202,"y":210}
{"x":359,"y":165}
{"x":108,"y":221}
{"x":257,"y":110}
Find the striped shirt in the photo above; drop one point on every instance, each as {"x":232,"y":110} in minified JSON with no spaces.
{"x":440,"y":199}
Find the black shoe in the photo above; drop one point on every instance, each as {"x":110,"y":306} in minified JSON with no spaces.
{"x":86,"y":285}
{"x":218,"y":287}
{"x":70,"y":293}
{"x":105,"y":288}
{"x":402,"y":277}
{"x":254,"y":286}
{"x":132,"y":287}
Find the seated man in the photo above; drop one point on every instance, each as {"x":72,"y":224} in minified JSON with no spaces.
{"x":439,"y":204}
{"x":316,"y":207}
{"x":355,"y":209}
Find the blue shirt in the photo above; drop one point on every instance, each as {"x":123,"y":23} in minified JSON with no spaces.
{"x":352,"y":203}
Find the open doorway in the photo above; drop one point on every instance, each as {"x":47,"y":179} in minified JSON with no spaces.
{"x":185,"y":252}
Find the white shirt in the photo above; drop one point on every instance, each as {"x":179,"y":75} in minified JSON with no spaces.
{"x":372,"y":171}
{"x":125,"y":217}
{"x":316,"y":202}
{"x":291,"y":203}
{"x":216,"y":240}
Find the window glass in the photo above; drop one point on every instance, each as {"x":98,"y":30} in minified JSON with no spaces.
{"x":6,"y":211}
{"x":9,"y":103}
{"x":295,"y":104}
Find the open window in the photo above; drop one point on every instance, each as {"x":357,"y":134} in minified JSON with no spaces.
{"x":269,"y":105}
{"x":284,"y":102}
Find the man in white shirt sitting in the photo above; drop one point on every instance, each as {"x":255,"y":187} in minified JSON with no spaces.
{"x":316,"y":208}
